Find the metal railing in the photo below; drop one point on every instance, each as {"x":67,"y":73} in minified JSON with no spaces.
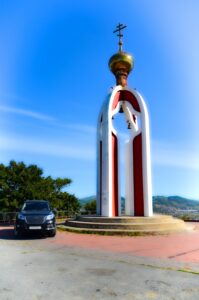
{"x":8,"y":218}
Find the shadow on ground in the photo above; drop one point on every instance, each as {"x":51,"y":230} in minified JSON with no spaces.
{"x":7,"y":233}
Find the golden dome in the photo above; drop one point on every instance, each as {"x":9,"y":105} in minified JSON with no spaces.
{"x":121,"y":61}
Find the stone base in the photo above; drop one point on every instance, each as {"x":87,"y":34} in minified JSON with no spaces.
{"x":158,"y":224}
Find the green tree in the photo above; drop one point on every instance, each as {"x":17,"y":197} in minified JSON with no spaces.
{"x":19,"y":182}
{"x":90,"y":206}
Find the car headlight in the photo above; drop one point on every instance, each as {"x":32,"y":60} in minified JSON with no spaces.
{"x":21,"y":216}
{"x":50,"y":217}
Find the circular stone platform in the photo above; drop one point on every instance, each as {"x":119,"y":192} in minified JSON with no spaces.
{"x":158,"y":224}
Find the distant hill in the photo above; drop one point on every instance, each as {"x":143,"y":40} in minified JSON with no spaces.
{"x":162,"y":203}
{"x":86,"y":199}
{"x":173,"y":203}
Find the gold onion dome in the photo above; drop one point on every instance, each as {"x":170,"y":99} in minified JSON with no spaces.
{"x":119,"y":61}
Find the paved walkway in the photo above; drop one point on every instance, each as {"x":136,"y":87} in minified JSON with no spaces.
{"x":181,"y":247}
{"x":92,"y":267}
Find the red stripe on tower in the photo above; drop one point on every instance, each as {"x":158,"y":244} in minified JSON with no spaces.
{"x":115,"y":211}
{"x":138,"y":176}
{"x":116,"y":100}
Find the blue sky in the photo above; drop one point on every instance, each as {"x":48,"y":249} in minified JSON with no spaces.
{"x":54,"y":77}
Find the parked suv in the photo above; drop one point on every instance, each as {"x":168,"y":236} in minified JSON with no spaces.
{"x":35,"y":216}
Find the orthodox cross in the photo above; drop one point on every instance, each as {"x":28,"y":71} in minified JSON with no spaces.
{"x":120,"y":27}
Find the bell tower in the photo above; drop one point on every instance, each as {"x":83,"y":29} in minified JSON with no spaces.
{"x":138,"y":195}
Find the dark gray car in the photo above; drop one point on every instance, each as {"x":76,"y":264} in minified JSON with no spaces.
{"x":35,"y":216}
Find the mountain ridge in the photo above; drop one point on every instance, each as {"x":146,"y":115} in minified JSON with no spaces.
{"x":159,"y":202}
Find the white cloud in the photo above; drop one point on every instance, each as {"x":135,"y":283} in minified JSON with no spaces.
{"x":24,"y":112}
{"x":79,"y":127}
{"x":47,"y":147}
{"x":82,"y":128}
{"x":165,"y":154}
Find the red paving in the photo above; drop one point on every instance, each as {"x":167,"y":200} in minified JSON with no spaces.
{"x":181,"y":247}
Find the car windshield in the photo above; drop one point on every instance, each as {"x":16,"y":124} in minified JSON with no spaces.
{"x":28,"y":206}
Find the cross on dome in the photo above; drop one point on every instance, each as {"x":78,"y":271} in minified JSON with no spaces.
{"x":119,"y":29}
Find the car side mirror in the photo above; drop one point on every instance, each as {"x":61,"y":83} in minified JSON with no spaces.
{"x":54,"y":211}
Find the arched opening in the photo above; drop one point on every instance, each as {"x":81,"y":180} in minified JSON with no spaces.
{"x":128,"y":130}
{"x":123,"y":134}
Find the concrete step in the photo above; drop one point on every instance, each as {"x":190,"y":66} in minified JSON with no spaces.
{"x":125,"y":219}
{"x":158,"y":224}
{"x":124,"y":231}
{"x":128,"y":226}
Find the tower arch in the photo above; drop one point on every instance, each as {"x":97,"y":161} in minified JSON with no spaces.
{"x":137,"y":156}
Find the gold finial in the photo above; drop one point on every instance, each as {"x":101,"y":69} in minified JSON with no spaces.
{"x":120,"y":27}
{"x":121,"y":63}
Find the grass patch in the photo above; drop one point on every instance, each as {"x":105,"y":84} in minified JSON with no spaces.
{"x":189,"y":271}
{"x":107,"y":233}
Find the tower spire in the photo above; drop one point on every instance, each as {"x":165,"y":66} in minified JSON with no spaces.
{"x":119,"y":29}
{"x":121,"y":63}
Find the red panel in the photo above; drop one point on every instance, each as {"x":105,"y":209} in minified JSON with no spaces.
{"x":128,"y":96}
{"x":100,"y":177}
{"x":138,"y":176}
{"x":115,"y":176}
{"x":116,"y":100}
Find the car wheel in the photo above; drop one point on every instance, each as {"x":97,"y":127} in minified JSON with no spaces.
{"x":52,"y":233}
{"x":17,"y":233}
